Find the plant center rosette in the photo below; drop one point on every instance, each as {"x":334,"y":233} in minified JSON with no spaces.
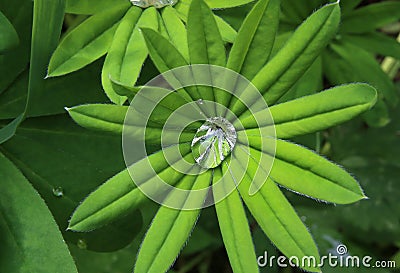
{"x":198,"y":117}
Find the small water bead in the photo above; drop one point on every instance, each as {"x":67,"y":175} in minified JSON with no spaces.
{"x":81,"y":244}
{"x":213,"y":142}
{"x":155,"y":3}
{"x":58,"y":192}
{"x":200,"y":101}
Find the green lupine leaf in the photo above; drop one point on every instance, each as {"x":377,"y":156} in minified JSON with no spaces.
{"x":255,"y":39}
{"x":120,"y":195}
{"x":104,"y":117}
{"x":92,"y":7}
{"x":221,"y":4}
{"x":364,"y":67}
{"x":299,"y":53}
{"x":86,"y":43}
{"x":305,"y":172}
{"x":310,"y":83}
{"x":234,"y":227}
{"x":167,"y":57}
{"x":163,"y":53}
{"x":371,"y":17}
{"x":205,"y":44}
{"x":111,"y":118}
{"x":227,"y":32}
{"x":24,"y":236}
{"x":376,"y":42}
{"x":128,"y":52}
{"x":8,"y":35}
{"x":317,"y":112}
{"x":277,"y":217}
{"x":176,"y":30}
{"x":171,"y":228}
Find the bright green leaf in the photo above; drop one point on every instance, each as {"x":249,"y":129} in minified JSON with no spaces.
{"x":234,"y":226}
{"x":255,"y":39}
{"x":220,"y":4}
{"x":86,"y":43}
{"x":305,"y":172}
{"x":316,"y":112}
{"x":176,"y":30}
{"x":171,"y":228}
{"x":299,"y":53}
{"x":128,"y":50}
{"x":277,"y":218}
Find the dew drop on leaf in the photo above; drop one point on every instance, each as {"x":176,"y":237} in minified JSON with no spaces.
{"x":200,"y":101}
{"x":155,"y":3}
{"x":81,"y":244}
{"x":58,"y":192}
{"x":213,"y":142}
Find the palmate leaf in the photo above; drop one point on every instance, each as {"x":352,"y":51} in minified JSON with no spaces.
{"x":119,"y":195}
{"x":8,"y":34}
{"x":171,"y":227}
{"x":87,"y":42}
{"x":25,"y":229}
{"x":234,"y":226}
{"x":299,"y":53}
{"x":315,"y":113}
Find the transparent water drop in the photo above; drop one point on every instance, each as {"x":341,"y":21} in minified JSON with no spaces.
{"x":81,"y":244}
{"x":200,"y":101}
{"x":155,"y":3}
{"x":213,"y":142}
{"x":58,"y":192}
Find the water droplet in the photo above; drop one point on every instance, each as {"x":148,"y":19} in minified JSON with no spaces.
{"x":200,"y":101}
{"x":213,"y":142}
{"x":81,"y":244}
{"x":58,"y":192}
{"x":155,"y":3}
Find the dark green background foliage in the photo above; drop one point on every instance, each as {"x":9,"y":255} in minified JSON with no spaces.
{"x":49,"y":164}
